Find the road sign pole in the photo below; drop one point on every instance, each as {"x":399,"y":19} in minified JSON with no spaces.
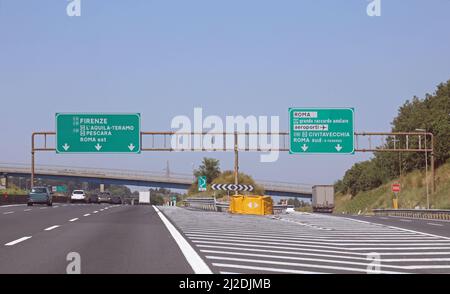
{"x":236,"y":161}
{"x":32,"y":162}
{"x":433,"y":172}
{"x":426,"y":173}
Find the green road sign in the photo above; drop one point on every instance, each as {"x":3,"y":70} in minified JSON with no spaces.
{"x":59,"y":189}
{"x":321,"y":130}
{"x":98,"y":133}
{"x":201,"y":183}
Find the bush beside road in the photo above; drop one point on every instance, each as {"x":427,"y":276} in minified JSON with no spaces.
{"x":412,"y":195}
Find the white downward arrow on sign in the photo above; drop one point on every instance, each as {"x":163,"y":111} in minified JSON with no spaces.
{"x":98,"y":147}
{"x":66,"y":147}
{"x":338,"y":147}
{"x":131,"y":147}
{"x":304,"y":147}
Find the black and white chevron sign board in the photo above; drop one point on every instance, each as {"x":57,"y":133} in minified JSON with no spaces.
{"x":232,"y":187}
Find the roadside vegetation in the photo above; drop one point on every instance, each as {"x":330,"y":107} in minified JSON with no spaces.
{"x":367,"y":184}
{"x":210,"y":168}
{"x":412,"y":195}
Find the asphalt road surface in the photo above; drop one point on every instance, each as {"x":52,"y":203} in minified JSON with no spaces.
{"x":146,"y":239}
{"x":108,"y":239}
{"x":308,"y":243}
{"x":438,"y":227}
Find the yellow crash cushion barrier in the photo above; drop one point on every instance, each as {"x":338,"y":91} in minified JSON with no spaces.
{"x":259,"y":205}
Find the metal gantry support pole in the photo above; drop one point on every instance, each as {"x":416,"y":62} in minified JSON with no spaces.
{"x":236,"y":160}
{"x":32,"y":161}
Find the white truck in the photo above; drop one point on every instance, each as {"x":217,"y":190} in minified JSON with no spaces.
{"x":323,"y":198}
{"x":144,"y":197}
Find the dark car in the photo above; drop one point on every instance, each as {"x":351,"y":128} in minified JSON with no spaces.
{"x":40,"y":195}
{"x":116,"y":200}
{"x":104,"y":197}
{"x":93,"y":198}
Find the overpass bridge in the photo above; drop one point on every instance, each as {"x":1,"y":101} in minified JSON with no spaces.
{"x":139,"y":178}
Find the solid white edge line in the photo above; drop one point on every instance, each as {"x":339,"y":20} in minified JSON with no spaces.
{"x":18,"y":241}
{"x":397,"y":228}
{"x":87,"y":214}
{"x":195,"y":261}
{"x":74,"y":219}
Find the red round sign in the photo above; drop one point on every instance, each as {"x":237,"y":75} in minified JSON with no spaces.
{"x":395,"y":188}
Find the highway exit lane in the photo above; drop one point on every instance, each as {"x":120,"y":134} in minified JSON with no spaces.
{"x":428,"y":226}
{"x":120,"y":239}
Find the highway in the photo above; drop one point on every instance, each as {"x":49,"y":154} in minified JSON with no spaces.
{"x":438,"y":227}
{"x":146,"y":239}
{"x":109,"y":239}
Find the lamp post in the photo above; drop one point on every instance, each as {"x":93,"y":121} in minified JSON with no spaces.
{"x":426,"y":166}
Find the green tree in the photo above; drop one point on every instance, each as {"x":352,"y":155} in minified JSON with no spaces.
{"x":210,"y":168}
{"x":432,"y":114}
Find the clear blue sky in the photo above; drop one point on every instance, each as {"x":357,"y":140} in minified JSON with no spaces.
{"x":259,"y":57}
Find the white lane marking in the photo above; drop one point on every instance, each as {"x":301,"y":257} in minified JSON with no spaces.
{"x":260,"y":268}
{"x":55,"y":206}
{"x":321,"y":241}
{"x":432,"y":224}
{"x":8,"y":212}
{"x":17,"y":241}
{"x":28,"y":209}
{"x":74,"y":219}
{"x":300,"y":258}
{"x":309,"y":243}
{"x":414,"y":259}
{"x":95,"y":211}
{"x":427,"y":266}
{"x":195,"y":261}
{"x":405,"y":220}
{"x":43,"y":208}
{"x":11,"y":205}
{"x":382,"y":217}
{"x":384,"y":233}
{"x":345,"y":250}
{"x":51,"y":228}
{"x":230,"y":273}
{"x":87,"y":214}
{"x":101,"y":209}
{"x":351,"y":269}
{"x":398,"y":228}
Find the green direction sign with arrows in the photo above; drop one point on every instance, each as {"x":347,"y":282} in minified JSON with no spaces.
{"x":321,"y":130}
{"x":60,"y":189}
{"x":201,"y":183}
{"x":98,"y":133}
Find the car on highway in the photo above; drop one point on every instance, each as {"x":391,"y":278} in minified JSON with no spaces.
{"x":40,"y":195}
{"x":78,"y":196}
{"x":104,"y":197}
{"x":116,"y":200}
{"x":93,"y":198}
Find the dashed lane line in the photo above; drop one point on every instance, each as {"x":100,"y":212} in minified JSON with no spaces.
{"x":17,"y":241}
{"x":51,"y":228}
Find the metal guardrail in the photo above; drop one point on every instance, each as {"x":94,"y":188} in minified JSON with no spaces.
{"x":440,"y":214}
{"x":201,"y":203}
{"x":210,"y":204}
